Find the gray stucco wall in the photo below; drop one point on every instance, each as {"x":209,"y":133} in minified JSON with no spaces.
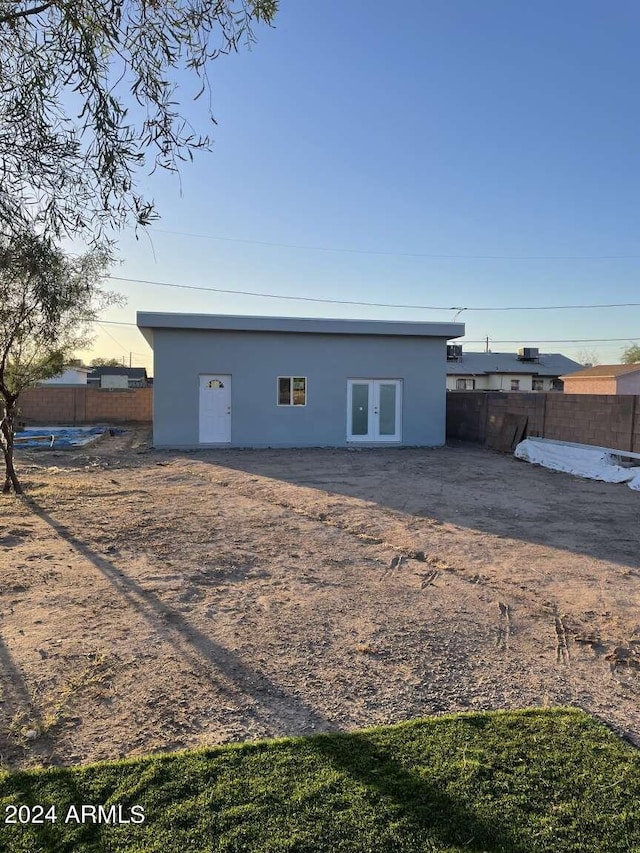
{"x":256,"y":359}
{"x":629,"y":383}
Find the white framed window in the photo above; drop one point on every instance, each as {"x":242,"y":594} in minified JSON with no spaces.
{"x":515,"y":384}
{"x":537,"y":384}
{"x":465,"y":384}
{"x":292,"y":391}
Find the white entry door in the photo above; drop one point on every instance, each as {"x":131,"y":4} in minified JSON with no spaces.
{"x":374,"y":408}
{"x":215,"y":408}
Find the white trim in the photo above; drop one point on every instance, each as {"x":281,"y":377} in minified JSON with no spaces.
{"x":224,"y":418}
{"x":314,"y":325}
{"x":373,"y":415}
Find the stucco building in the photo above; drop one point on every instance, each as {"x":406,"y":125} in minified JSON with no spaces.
{"x":69,"y":376}
{"x":296,"y":382}
{"x":526,"y":370}
{"x":604,"y":379}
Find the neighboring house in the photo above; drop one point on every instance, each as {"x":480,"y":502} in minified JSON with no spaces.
{"x":118,"y":377}
{"x":604,"y":379}
{"x":526,"y":370}
{"x":70,"y":376}
{"x":296,"y":382}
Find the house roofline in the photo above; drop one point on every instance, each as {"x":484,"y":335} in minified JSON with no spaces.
{"x":148,"y":321}
{"x":594,"y":372}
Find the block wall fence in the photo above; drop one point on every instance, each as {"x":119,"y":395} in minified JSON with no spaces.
{"x":604,"y":420}
{"x":71,"y":406}
{"x":599,"y":419}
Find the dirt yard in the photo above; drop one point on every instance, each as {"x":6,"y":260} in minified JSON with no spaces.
{"x":158,"y":600}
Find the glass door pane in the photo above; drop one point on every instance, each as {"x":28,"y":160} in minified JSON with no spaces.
{"x":387,"y":409}
{"x":360,"y":408}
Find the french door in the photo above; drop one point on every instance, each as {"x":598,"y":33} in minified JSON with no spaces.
{"x":374,"y":408}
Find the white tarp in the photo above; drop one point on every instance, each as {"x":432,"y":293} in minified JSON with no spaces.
{"x":594,"y":463}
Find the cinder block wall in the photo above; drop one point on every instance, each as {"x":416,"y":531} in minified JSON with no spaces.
{"x":84,"y":405}
{"x":636,"y":428}
{"x":528,"y":405}
{"x":132,"y":404}
{"x":597,"y":419}
{"x":467,"y":415}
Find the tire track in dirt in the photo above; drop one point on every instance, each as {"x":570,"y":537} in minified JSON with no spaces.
{"x":252,"y":488}
{"x":306,"y":502}
{"x":403,"y":554}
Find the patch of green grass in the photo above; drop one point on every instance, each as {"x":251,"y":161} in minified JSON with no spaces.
{"x":521,"y":782}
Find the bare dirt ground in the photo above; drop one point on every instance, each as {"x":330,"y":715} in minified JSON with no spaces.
{"x":157,"y":600}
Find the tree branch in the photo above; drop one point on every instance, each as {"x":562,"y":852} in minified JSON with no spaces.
{"x":25,"y":13}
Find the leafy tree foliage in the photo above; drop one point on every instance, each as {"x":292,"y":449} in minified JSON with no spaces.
{"x":105,"y":362}
{"x":89,"y":95}
{"x":48,"y":301}
{"x":631,"y":355}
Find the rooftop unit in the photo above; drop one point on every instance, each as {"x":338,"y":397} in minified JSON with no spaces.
{"x":528,"y":354}
{"x":454,"y":352}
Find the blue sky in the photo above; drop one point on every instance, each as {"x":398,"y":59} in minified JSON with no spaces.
{"x":449,"y":153}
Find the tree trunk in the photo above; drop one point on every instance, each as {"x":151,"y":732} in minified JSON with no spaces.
{"x":6,"y":427}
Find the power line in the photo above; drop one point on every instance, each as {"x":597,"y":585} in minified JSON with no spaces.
{"x":102,"y":323}
{"x":107,"y":332}
{"x":370,"y":304}
{"x":351,"y":251}
{"x":276,"y":296}
{"x":549,"y":340}
{"x":112,"y":323}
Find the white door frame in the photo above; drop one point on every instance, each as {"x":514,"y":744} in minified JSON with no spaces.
{"x":373,"y":413}
{"x":214,"y":418}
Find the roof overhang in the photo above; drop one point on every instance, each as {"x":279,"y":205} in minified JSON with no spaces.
{"x":591,"y":376}
{"x":148,"y":321}
{"x":594,"y":373}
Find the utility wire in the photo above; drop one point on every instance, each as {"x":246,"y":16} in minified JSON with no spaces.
{"x":112,"y":323}
{"x":371,"y":304}
{"x":107,"y":332}
{"x":398,"y":254}
{"x":547,"y":340}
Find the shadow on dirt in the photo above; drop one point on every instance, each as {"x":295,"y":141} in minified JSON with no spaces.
{"x":466,"y":486}
{"x":200,"y":651}
{"x":431,"y":813}
{"x":19,"y":714}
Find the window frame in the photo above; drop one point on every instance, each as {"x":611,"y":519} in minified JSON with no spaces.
{"x":469,"y":384}
{"x":515,"y":382}
{"x":291,"y":404}
{"x":537,"y":380}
